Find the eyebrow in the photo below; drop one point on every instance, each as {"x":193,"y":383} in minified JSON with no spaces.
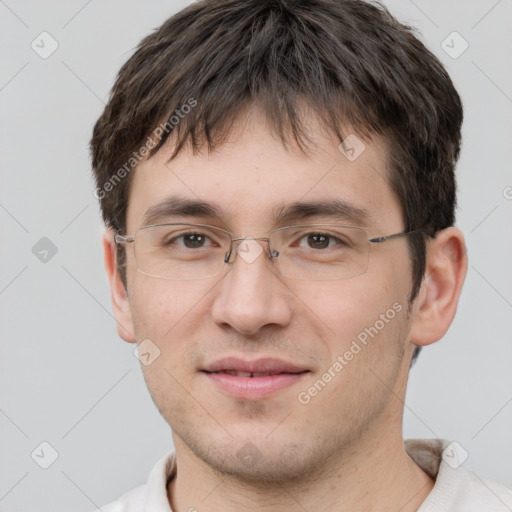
{"x":335,"y":209}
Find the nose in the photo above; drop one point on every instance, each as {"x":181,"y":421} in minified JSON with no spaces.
{"x":251,"y":295}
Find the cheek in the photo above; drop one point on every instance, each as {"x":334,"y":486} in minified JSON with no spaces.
{"x":159,"y":305}
{"x":170,"y":315}
{"x":344,"y":308}
{"x":361,"y":319}
{"x":173,"y":315}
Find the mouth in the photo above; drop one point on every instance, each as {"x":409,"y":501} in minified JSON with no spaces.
{"x":238,"y":377}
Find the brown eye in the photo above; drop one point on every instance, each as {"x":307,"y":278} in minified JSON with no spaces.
{"x":187,"y":240}
{"x":194,"y":240}
{"x":320,"y":241}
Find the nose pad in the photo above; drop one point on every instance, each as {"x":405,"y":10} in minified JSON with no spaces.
{"x":249,"y":249}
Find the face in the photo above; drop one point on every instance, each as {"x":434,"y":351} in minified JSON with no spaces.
{"x":350,"y":334}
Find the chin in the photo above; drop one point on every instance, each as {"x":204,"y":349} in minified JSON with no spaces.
{"x":263,"y":466}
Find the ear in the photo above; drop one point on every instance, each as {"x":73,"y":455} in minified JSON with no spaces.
{"x":436,"y":304}
{"x":120,"y":300}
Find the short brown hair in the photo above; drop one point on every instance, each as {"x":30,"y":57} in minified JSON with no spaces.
{"x":350,"y":60}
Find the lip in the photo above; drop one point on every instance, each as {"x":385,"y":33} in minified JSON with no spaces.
{"x":262,"y":365}
{"x":254,"y":388}
{"x":257,"y":387}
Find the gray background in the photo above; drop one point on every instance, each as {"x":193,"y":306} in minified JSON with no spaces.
{"x":65,"y":376}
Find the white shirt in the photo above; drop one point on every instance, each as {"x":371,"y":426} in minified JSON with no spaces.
{"x":456,"y":489}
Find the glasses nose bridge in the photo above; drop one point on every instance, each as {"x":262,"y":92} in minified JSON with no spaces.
{"x":239,"y":240}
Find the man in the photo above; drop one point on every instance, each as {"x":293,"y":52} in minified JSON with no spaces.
{"x":277,"y":180}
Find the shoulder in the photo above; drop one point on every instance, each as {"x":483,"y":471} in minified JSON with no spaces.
{"x":150,"y":496}
{"x":460,"y":490}
{"x":473,"y":493}
{"x":456,"y":488}
{"x":131,"y":501}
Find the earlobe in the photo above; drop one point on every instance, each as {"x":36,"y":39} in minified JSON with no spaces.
{"x":437,"y":300}
{"x":120,"y":300}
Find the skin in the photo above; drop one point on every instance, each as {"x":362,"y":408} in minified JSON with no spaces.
{"x":344,"y":449}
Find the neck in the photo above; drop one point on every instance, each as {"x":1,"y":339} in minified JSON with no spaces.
{"x":372,"y":473}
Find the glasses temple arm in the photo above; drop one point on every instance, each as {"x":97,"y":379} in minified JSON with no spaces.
{"x":380,"y":239}
{"x":122,"y":239}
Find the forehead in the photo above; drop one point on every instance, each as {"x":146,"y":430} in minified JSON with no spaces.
{"x":252,"y":179}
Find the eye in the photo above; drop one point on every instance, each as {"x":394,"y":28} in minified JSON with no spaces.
{"x":189,"y":240}
{"x":321,"y":241}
